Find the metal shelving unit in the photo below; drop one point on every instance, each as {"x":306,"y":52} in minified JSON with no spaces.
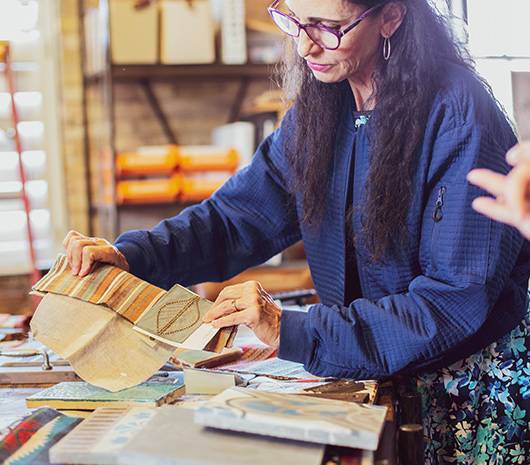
{"x":100,"y":78}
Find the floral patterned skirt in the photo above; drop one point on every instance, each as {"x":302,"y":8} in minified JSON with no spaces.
{"x":477,"y":411}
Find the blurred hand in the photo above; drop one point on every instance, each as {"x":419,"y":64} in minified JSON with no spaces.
{"x":519,"y":153}
{"x":83,"y":251}
{"x":511,"y":202}
{"x":247,"y":304}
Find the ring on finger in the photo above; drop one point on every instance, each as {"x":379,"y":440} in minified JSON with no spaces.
{"x":234,"y":307}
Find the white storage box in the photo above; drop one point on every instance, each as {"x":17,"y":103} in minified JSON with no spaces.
{"x":187,"y":33}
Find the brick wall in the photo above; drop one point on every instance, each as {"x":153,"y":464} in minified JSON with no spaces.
{"x":72,"y":116}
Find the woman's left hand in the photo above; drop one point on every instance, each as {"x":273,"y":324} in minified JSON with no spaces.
{"x":247,"y":304}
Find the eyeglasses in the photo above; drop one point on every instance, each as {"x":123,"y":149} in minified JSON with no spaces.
{"x":323,"y":36}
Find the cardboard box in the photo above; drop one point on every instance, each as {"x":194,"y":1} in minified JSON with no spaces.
{"x":187,"y":33}
{"x":134,"y":33}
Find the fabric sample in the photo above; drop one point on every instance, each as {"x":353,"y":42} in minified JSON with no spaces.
{"x":28,"y":440}
{"x":169,"y":316}
{"x":176,"y":315}
{"x":105,"y":284}
{"x":100,"y":345}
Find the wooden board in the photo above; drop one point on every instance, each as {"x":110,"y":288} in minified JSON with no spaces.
{"x":36,"y":375}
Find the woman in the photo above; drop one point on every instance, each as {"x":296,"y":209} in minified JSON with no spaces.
{"x":369,"y":170}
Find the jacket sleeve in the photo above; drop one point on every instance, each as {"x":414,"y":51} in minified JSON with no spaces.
{"x":469,"y":289}
{"x":248,"y":220}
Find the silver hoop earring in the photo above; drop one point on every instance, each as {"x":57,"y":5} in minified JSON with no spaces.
{"x":387,"y":49}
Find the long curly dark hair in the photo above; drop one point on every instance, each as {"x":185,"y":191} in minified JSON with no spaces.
{"x":405,"y":87}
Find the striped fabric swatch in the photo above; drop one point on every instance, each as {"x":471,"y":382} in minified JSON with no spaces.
{"x":119,"y":290}
{"x":106,"y":284}
{"x":224,"y":338}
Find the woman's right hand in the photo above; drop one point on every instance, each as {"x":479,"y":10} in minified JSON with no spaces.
{"x":83,"y":251}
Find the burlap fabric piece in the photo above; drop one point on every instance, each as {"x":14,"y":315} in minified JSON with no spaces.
{"x":99,"y":343}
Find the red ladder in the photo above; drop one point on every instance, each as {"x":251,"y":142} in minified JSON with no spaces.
{"x":5,"y":57}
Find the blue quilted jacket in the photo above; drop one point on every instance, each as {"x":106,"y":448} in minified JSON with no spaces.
{"x":459,"y":285}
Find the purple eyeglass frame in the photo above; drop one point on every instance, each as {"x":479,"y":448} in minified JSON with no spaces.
{"x":338,"y":34}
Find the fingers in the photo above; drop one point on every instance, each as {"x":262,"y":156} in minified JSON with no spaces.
{"x":512,"y":192}
{"x":93,"y":253}
{"x":524,"y":227}
{"x":250,"y":305}
{"x":74,"y":243}
{"x":519,"y":153}
{"x":493,"y":209}
{"x":517,"y":191}
{"x":492,"y":182}
{"x":229,"y":301}
{"x":83,"y":251}
{"x":220,"y":309}
{"x":69,"y":237}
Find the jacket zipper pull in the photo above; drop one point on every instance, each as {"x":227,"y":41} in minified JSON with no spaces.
{"x":437,"y":214}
